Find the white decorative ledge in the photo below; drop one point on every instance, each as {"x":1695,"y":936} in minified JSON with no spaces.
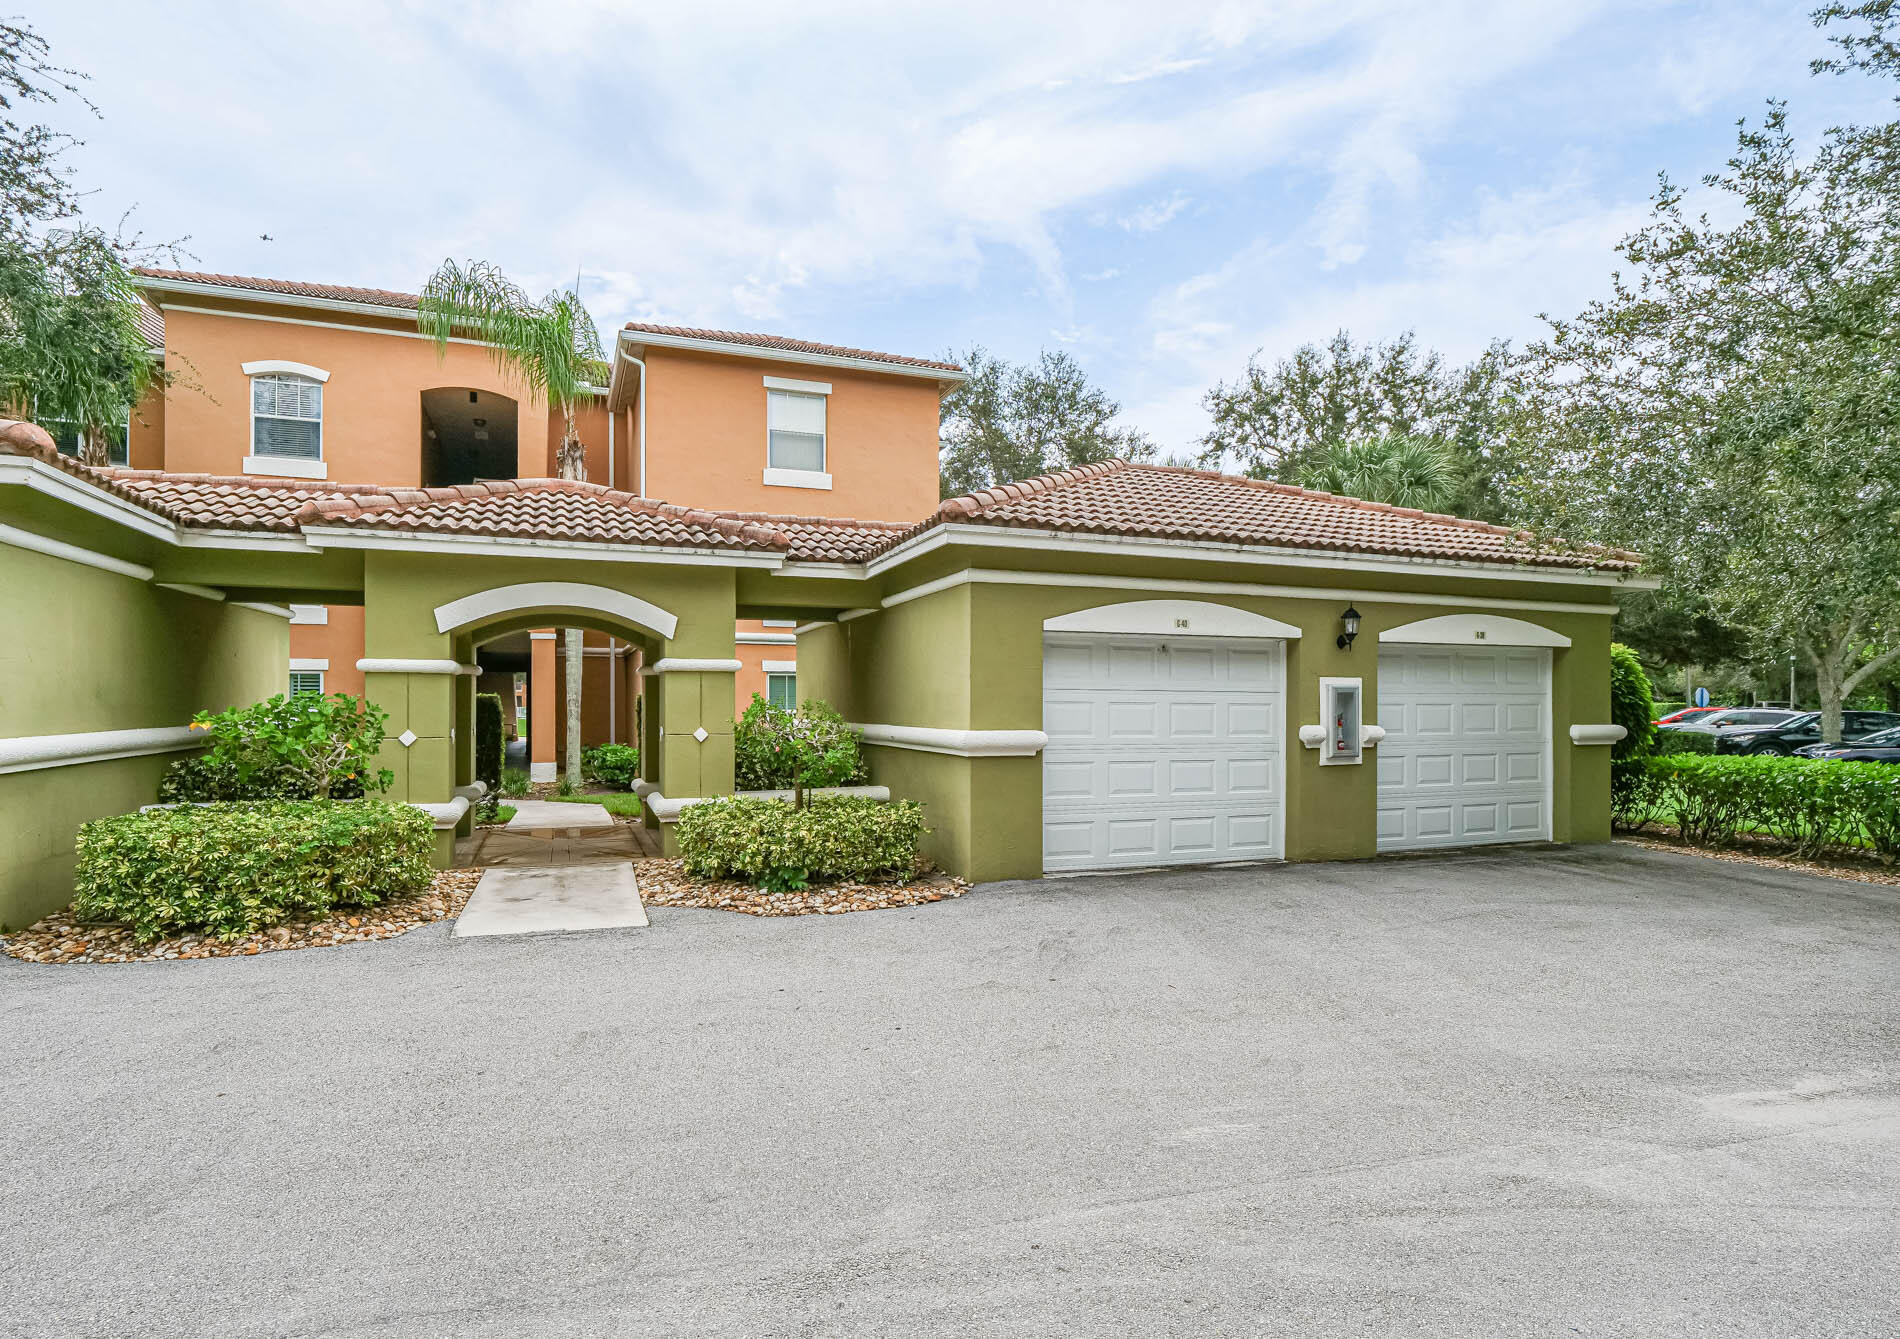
{"x":1173,"y":618}
{"x":1314,"y":735}
{"x":779,"y":666}
{"x":1470,"y":629}
{"x":682,"y":664}
{"x":959,"y":743}
{"x":775,"y":478}
{"x":309,"y":663}
{"x":472,"y":792}
{"x":265,"y":365}
{"x":274,"y":610}
{"x":33,"y":752}
{"x":285,"y":467}
{"x":1597,"y":734}
{"x":375,"y":666}
{"x":668,"y":811}
{"x":445,"y":815}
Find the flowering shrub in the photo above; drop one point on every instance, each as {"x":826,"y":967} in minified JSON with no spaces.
{"x":291,"y":747}
{"x":781,"y":847}
{"x":230,"y":869}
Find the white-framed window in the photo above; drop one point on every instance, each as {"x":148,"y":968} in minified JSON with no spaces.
{"x":795,"y":431}
{"x":66,"y":437}
{"x":781,"y":690}
{"x":306,"y":681}
{"x":286,"y":416}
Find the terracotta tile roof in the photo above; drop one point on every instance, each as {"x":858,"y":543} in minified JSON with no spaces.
{"x":1169,"y":502}
{"x":825,"y":539}
{"x":552,"y":509}
{"x":225,"y":502}
{"x":152,"y":326}
{"x":788,"y":345}
{"x":375,"y":297}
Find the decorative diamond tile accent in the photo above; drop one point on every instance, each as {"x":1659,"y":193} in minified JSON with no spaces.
{"x":406,"y":738}
{"x":700,"y":734}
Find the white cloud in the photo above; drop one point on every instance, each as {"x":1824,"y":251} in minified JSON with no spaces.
{"x":1155,"y":215}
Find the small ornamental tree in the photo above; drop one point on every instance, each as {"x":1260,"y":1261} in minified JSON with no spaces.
{"x":300,"y":746}
{"x":1632,"y":705}
{"x":800,"y":750}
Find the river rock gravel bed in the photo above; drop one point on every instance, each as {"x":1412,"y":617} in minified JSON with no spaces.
{"x":665,"y":883}
{"x":60,"y":939}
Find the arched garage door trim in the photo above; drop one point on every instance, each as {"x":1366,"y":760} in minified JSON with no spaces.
{"x":1172,"y":618}
{"x":488,"y":605}
{"x":1473,"y":629}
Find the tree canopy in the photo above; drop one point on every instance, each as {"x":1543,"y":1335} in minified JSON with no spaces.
{"x":1011,"y":421}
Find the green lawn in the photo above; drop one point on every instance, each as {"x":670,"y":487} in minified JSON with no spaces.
{"x":623,"y":803}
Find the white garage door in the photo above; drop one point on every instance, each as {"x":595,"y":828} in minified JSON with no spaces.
{"x":1161,"y":751}
{"x":1466,"y":754}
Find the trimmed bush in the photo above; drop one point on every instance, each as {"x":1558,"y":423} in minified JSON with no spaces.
{"x":1682,"y":741}
{"x":613,"y":765}
{"x":289,"y":747}
{"x":490,"y":744}
{"x":230,"y":869}
{"x":780,"y":847}
{"x":1803,"y":805}
{"x":1632,"y":705}
{"x":776,"y":749}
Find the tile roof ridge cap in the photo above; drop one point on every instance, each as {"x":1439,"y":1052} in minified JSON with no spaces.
{"x":838,"y":522}
{"x":970,"y":504}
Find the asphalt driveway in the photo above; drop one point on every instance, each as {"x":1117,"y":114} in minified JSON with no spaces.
{"x":1599,"y":1092}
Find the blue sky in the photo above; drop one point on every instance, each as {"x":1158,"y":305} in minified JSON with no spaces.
{"x":1160,"y":189}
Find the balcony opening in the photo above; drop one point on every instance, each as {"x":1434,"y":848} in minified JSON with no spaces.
{"x":467,"y":436}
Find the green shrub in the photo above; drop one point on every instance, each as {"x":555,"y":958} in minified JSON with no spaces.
{"x":230,"y":869}
{"x":613,"y":765}
{"x":1802,"y":805}
{"x":1682,"y":741}
{"x":491,"y":746}
{"x":515,"y":783}
{"x":778,"y":846}
{"x":776,"y":749}
{"x":1632,"y":705}
{"x":290,"y":747}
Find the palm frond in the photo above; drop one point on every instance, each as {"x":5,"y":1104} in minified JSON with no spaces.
{"x":550,"y":345}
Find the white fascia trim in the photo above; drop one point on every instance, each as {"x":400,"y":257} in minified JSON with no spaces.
{"x":321,"y":325}
{"x":243,"y":539}
{"x":643,"y":338}
{"x":486,"y":605}
{"x":1597,"y":734}
{"x":1472,"y":629}
{"x":686,"y":664}
{"x":795,"y":567}
{"x":186,"y":588}
{"x":270,"y":299}
{"x":32,"y":752}
{"x":802,"y":387}
{"x":323,"y":537}
{"x":817,"y":479}
{"x":274,"y":610}
{"x":804,"y":628}
{"x":779,"y":666}
{"x":375,"y":665}
{"x":283,"y":365}
{"x":310,"y":615}
{"x":445,"y":815}
{"x":991,"y":576}
{"x":766,"y":638}
{"x":960,"y":743}
{"x":72,"y":553}
{"x":308,"y":663}
{"x":1172,"y":618}
{"x":56,"y":483}
{"x":285,"y":467}
{"x":1010,"y":537}
{"x":850,"y":614}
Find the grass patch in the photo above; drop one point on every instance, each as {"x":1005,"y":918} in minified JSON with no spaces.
{"x":623,"y":804}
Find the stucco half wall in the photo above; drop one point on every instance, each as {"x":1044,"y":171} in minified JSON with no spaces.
{"x":968,"y":657}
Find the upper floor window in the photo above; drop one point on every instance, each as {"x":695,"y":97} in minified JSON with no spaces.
{"x":286,"y":416}
{"x":68,"y":438}
{"x":795,"y":431}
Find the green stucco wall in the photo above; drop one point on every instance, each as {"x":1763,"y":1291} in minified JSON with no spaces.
{"x":89,"y":650}
{"x":970,"y":657}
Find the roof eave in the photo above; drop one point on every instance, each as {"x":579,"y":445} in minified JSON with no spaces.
{"x":731,"y":349}
{"x":268,"y":297}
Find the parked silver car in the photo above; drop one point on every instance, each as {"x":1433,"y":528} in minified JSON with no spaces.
{"x":1710,"y":722}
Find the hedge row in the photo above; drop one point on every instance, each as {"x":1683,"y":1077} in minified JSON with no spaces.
{"x":779,"y":847}
{"x":231,"y":869}
{"x":1801,"y":804}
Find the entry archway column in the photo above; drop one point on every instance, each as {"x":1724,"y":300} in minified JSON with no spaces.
{"x":694,"y":732}
{"x":543,"y":700}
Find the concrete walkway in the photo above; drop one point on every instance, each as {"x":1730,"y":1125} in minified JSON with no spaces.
{"x":551,"y":899}
{"x":554,"y":815}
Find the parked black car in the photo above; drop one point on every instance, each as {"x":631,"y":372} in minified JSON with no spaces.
{"x":1798,"y":732}
{"x":1881,"y":746}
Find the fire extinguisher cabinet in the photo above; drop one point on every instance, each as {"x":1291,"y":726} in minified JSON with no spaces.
{"x":1341,"y":713}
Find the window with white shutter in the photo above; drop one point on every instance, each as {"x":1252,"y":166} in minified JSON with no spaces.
{"x":286,"y":417}
{"x":795,"y":436}
{"x":306,"y":681}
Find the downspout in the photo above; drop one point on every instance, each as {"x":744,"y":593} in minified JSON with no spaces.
{"x":611,"y":416}
{"x":640,"y":428}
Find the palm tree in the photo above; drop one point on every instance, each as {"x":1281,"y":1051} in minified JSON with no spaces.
{"x":1405,"y":471}
{"x":553,"y":347}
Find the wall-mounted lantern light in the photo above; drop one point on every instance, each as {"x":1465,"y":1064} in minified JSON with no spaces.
{"x":1350,"y":622}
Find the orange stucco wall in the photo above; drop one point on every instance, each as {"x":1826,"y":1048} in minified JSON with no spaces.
{"x":145,"y":449}
{"x":340,"y":642}
{"x":706,"y":438}
{"x":752,"y":657}
{"x":372,"y":403}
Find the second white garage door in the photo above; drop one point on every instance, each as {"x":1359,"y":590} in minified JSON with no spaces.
{"x":1466,"y":754}
{"x":1161,"y":751}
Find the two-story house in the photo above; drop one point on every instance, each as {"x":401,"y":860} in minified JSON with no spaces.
{"x":282,"y":380}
